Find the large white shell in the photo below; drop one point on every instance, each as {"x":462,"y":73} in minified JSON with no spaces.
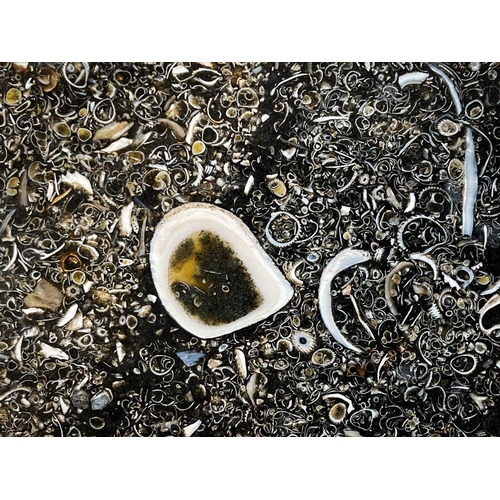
{"x":179,"y":224}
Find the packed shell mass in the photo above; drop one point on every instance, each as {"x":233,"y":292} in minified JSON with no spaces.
{"x":249,"y":249}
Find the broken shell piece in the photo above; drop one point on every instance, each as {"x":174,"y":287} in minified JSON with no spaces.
{"x":177,"y":130}
{"x":44,"y":295}
{"x":76,"y":323}
{"x":68,"y":315}
{"x":120,"y":351}
{"x":241,"y":363}
{"x":122,"y":143}
{"x":211,"y":274}
{"x":48,"y":351}
{"x":112,"y":131}
{"x":488,"y":317}
{"x":20,"y":67}
{"x":342,"y":261}
{"x":125,"y":223}
{"x":414,"y":78}
{"x":189,"y":430}
{"x":78,"y":182}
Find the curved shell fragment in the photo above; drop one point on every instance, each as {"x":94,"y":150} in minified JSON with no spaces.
{"x":342,"y":261}
{"x":414,"y":78}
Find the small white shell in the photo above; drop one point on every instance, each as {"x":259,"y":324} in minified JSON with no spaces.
{"x":76,"y":323}
{"x":120,"y":351}
{"x":249,"y":185}
{"x":470,"y":186}
{"x":190,"y":429}
{"x":241,"y":363}
{"x":112,"y":131}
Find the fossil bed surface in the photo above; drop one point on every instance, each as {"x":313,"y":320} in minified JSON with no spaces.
{"x":397,"y":160}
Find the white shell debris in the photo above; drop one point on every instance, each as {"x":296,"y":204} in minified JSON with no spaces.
{"x":249,"y":185}
{"x":78,"y":182}
{"x":411,"y":203}
{"x":112,"y":131}
{"x":414,"y":78}
{"x":122,"y":143}
{"x":68,"y":315}
{"x":125,"y":223}
{"x":343,"y":260}
{"x":76,"y":323}
{"x":120,"y":351}
{"x":177,"y":226}
{"x":48,"y":351}
{"x":190,"y":429}
{"x":241,"y":363}
{"x":470,"y":185}
{"x":17,"y":350}
{"x":493,"y":302}
{"x":45,"y":296}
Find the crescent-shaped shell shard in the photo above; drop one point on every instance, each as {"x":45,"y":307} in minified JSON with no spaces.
{"x":470,"y":185}
{"x":494,"y":302}
{"x":342,"y":261}
{"x":413,"y":78}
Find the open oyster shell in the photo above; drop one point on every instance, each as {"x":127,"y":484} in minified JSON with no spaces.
{"x":210,"y":272}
